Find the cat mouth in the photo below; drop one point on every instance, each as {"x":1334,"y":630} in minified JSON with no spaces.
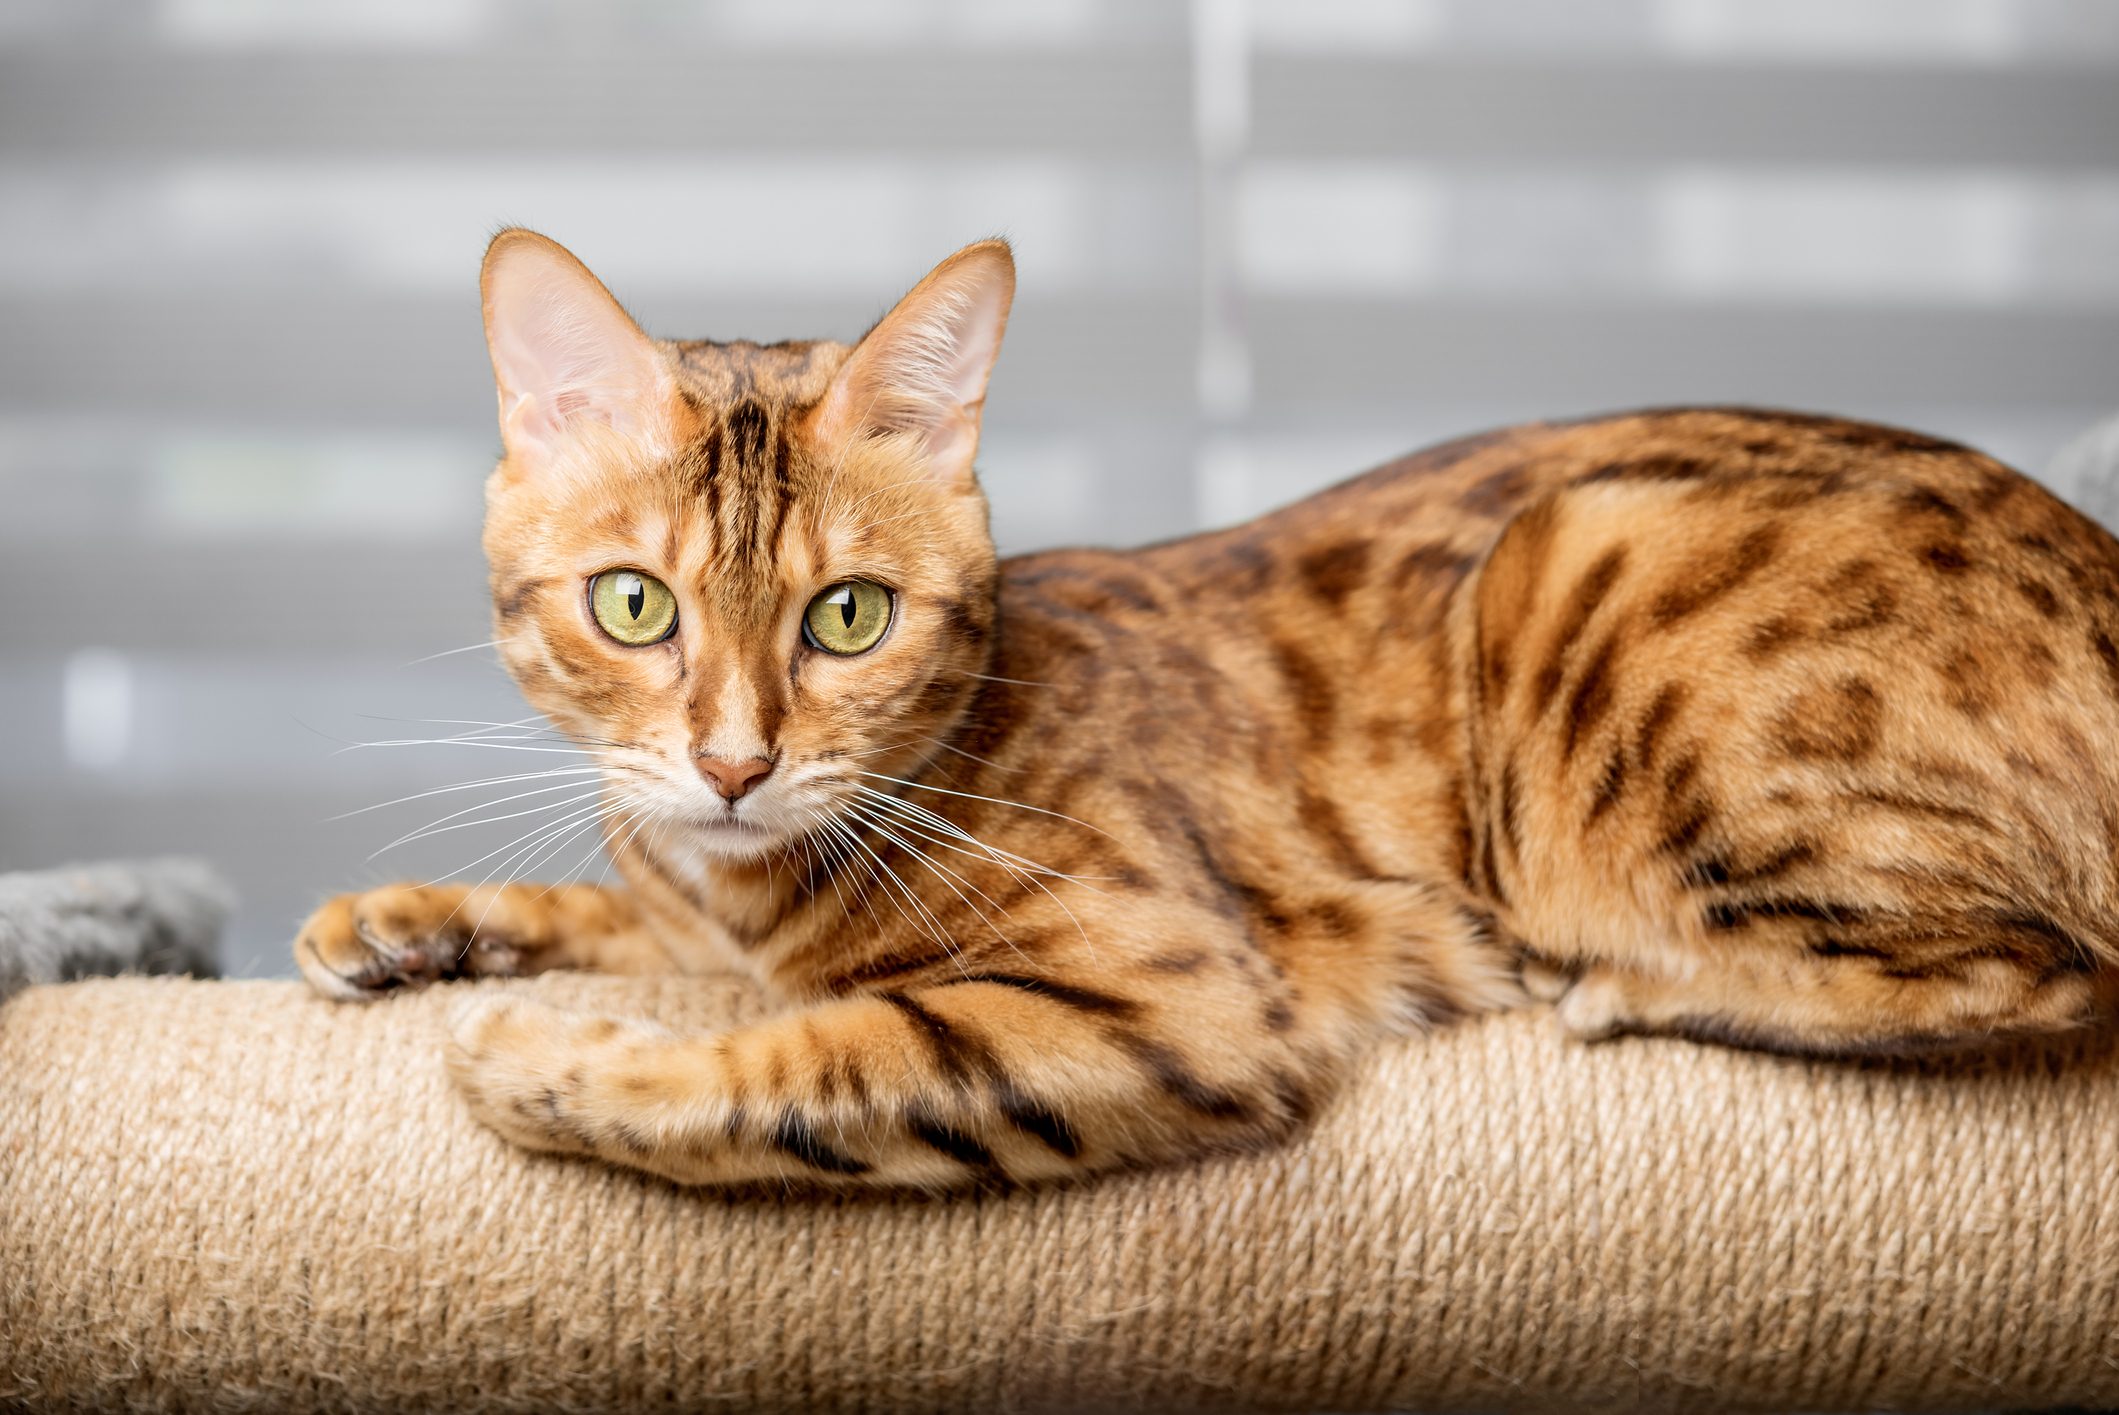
{"x":731,"y":822}
{"x":734,"y":827}
{"x":733,"y":837}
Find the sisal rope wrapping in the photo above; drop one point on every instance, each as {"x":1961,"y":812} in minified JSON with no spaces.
{"x":239,"y":1196}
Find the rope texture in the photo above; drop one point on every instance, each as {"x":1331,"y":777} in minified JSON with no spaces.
{"x":238,"y":1196}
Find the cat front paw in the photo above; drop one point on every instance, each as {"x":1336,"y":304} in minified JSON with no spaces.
{"x":1543,"y":981}
{"x":549,"y":1079}
{"x":1598,"y":1005}
{"x":359,"y":946}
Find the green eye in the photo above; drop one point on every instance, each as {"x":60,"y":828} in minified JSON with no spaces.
{"x":633,"y":608}
{"x":847,"y":618}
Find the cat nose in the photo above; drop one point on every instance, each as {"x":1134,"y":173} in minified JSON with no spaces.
{"x":732,"y":779}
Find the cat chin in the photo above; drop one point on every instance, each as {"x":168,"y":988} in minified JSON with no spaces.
{"x":736,"y":840}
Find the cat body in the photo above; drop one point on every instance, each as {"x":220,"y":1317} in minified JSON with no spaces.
{"x":1782,"y":730}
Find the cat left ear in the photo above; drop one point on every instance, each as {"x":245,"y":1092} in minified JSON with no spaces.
{"x":565,"y":355}
{"x":922,"y":371}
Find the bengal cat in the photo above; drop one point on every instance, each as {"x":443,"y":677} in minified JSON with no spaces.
{"x":1780,"y":730}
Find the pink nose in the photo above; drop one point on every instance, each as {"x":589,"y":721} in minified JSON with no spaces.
{"x":733,"y":779}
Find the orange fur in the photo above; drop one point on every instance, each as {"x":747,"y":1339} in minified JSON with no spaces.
{"x":1784,"y":730}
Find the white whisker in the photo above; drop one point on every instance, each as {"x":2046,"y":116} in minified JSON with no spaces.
{"x":448,"y":653}
{"x":469,"y":786}
{"x":1028,"y":870}
{"x":533,"y":723}
{"x":538,"y":839}
{"x":947,"y":876}
{"x":996,"y":678}
{"x":828,"y":852}
{"x":463,"y":742}
{"x":530,"y":834}
{"x":941,"y":822}
{"x":442,"y":827}
{"x":932,"y":927}
{"x":994,"y":800}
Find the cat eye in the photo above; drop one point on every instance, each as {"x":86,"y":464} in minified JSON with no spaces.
{"x":633,"y":608}
{"x":847,"y":618}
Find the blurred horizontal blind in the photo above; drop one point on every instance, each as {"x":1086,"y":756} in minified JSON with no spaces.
{"x":245,"y":411}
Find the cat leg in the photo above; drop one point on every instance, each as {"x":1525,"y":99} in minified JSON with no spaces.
{"x":1834,"y":1005}
{"x":358,"y":946}
{"x":998,"y":1077}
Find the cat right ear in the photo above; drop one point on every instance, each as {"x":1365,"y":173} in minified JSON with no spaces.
{"x":565,"y":355}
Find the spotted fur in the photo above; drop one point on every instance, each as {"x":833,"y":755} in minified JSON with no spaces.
{"x":1783,"y":730}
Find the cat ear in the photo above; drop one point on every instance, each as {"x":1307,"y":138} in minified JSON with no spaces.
{"x":922,"y":371}
{"x":564,"y":353}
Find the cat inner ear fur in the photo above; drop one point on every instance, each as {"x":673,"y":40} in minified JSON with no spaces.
{"x":921,"y":373}
{"x":566,"y":357}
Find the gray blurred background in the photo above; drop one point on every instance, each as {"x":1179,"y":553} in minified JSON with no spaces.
{"x":245,"y":409}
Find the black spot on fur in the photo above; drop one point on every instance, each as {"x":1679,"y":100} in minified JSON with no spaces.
{"x":747,"y":426}
{"x":892,"y":965}
{"x":1833,"y":947}
{"x":1308,"y":689}
{"x":1848,"y":432}
{"x":1611,"y":784}
{"x":1718,"y":871}
{"x":1591,"y":698}
{"x":2041,"y":596}
{"x":2108,"y":656}
{"x":1736,"y":914}
{"x":1498,"y":493}
{"x":1176,"y":1080}
{"x":1684,"y":827}
{"x":1648,"y":737}
{"x":1842,"y":723}
{"x":1770,"y":636}
{"x":1246,"y":566}
{"x":1335,"y":571}
{"x":956,"y":1053}
{"x":1047,"y":1126}
{"x":512,"y":600}
{"x":1582,"y":603}
{"x":1509,"y":803}
{"x":1081,"y":999}
{"x":792,"y":1135}
{"x":1188,"y":961}
{"x":1752,"y":554}
{"x":923,"y":1125}
{"x":1928,"y":499}
{"x":1861,"y":596}
{"x":1428,"y":564}
{"x":1653,"y":469}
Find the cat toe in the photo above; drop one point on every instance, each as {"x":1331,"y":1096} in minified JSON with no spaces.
{"x":529,"y":1071}
{"x":1543,"y":981}
{"x":358,"y":947}
{"x":1593,"y":1007}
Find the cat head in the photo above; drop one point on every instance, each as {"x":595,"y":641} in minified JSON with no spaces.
{"x":740,"y":575}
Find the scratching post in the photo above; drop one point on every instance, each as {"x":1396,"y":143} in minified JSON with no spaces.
{"x":240,"y":1196}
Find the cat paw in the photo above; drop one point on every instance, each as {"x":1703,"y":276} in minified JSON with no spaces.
{"x":1590,"y":1006}
{"x":1543,"y":981}
{"x":1596,"y":1006}
{"x":545,"y":1078}
{"x":360,"y":946}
